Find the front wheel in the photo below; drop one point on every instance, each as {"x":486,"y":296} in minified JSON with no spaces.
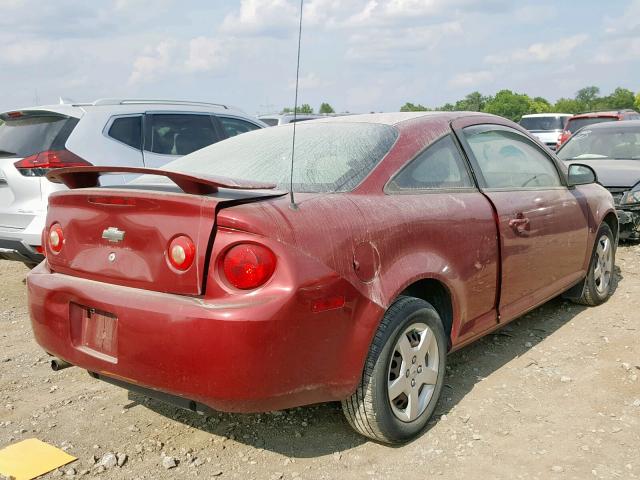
{"x":403,"y":374}
{"x":598,"y":285}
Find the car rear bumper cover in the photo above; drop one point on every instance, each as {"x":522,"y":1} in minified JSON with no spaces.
{"x":242,"y":357}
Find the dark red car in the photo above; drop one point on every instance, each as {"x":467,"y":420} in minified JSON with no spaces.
{"x":412,"y":234}
{"x":580,"y":120}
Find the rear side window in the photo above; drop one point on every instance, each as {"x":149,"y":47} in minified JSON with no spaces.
{"x":30,"y":134}
{"x":439,"y":167}
{"x":179,"y":134}
{"x":272,"y":122}
{"x":577,"y":123}
{"x":509,"y":161}
{"x":127,"y":130}
{"x":235,"y":126}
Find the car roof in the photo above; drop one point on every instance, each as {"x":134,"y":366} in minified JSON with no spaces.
{"x":124,"y":106}
{"x":395,"y":118}
{"x":614,"y":125}
{"x":534,"y":115}
{"x":604,"y":113}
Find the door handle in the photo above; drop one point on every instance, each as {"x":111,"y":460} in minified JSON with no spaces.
{"x":520,"y":224}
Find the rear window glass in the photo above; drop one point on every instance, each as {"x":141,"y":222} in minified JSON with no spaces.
{"x":30,"y":134}
{"x":542,"y":123}
{"x":577,"y":123}
{"x":127,"y":130}
{"x":272,"y":122}
{"x":328,"y":157}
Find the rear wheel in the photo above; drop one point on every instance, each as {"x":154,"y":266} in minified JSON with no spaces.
{"x":403,"y":374}
{"x":598,"y":284}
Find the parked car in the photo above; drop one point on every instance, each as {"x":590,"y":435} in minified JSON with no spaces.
{"x":576,"y":122}
{"x":275,"y":119}
{"x":546,"y":127}
{"x":130,"y":132}
{"x":410,"y":235}
{"x":613,"y":151}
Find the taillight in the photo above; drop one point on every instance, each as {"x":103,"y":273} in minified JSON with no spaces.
{"x":181,"y":252}
{"x":248,"y":265}
{"x":39,"y":164}
{"x":55,"y":238}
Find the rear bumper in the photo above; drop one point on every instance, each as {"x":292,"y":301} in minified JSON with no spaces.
{"x":18,"y":250}
{"x":257,"y":354}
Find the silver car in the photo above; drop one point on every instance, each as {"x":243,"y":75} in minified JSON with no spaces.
{"x":547,"y":127}
{"x":142,"y":133}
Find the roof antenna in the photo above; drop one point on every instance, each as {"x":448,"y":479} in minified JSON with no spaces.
{"x":295,"y":112}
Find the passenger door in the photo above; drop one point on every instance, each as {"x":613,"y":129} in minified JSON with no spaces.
{"x":170,"y":135}
{"x":542,"y":226}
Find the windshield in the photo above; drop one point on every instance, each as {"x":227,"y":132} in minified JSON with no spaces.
{"x":542,"y":123}
{"x":576,"y":124}
{"x":620,"y":143}
{"x":329,"y":157}
{"x":31,"y":134}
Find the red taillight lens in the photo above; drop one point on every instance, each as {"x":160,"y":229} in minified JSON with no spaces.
{"x":248,"y":265}
{"x":55,"y":238}
{"x":181,"y":252}
{"x":39,"y":164}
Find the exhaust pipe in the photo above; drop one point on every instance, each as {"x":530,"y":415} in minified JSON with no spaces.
{"x":58,"y":364}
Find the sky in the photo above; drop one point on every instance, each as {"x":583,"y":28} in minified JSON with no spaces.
{"x":357,"y":55}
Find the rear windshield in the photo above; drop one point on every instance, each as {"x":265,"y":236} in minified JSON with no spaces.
{"x":31,"y":134}
{"x":592,"y":144}
{"x":577,"y":123}
{"x":542,"y":123}
{"x":272,"y":122}
{"x":328,"y":157}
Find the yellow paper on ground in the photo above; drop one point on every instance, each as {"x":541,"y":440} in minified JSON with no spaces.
{"x":31,"y":458}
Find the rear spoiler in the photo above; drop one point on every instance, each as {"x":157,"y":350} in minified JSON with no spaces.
{"x":87,"y":177}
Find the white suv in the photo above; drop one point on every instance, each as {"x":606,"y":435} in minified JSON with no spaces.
{"x":547,"y":127}
{"x":142,"y":133}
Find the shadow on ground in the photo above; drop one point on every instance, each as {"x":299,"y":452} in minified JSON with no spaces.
{"x":321,"y":429}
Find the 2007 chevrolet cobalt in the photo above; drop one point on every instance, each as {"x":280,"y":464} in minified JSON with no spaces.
{"x":409,"y":236}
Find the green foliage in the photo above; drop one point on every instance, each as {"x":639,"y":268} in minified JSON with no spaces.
{"x":326,"y":108}
{"x":509,"y":105}
{"x":410,"y":107}
{"x":513,"y":105}
{"x":304,"y":108}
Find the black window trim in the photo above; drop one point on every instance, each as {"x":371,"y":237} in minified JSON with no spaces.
{"x":390,"y":190}
{"x":482,"y":183}
{"x":146,"y":133}
{"x":112,"y":119}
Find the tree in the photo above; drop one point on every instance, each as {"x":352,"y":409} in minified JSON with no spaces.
{"x":539,"y":105}
{"x":304,"y":108}
{"x":620,"y":98}
{"x":587,"y":96}
{"x":637,"y":103}
{"x":410,"y":107}
{"x":326,"y":108}
{"x":508,"y":104}
{"x":473,"y":102}
{"x":567,"y":105}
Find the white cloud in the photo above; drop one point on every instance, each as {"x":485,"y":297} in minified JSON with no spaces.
{"x":309,"y":81}
{"x":153,"y":62}
{"x":471,"y":79}
{"x":26,"y":52}
{"x":541,"y":52}
{"x":205,"y":54}
{"x":262,"y":17}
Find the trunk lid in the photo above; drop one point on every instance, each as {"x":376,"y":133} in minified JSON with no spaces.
{"x":121,"y":236}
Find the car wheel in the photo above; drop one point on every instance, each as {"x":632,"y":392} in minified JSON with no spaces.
{"x":598,"y":284}
{"x":403,"y":374}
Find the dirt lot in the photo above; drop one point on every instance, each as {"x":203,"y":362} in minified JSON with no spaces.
{"x":553,"y":395}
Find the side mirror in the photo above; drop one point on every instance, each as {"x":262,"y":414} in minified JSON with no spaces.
{"x":580,"y":174}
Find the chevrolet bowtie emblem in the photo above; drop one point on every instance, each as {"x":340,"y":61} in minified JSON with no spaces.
{"x":113,"y":235}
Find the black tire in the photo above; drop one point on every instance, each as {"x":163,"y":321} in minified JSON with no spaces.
{"x":369,"y":409}
{"x":592,"y":294}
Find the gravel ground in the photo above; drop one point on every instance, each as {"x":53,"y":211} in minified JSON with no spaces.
{"x":554,"y":394}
